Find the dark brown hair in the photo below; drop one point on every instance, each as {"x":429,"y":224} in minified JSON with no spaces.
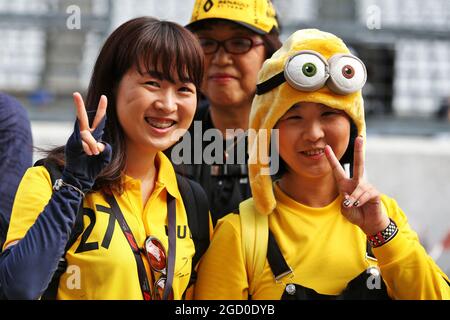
{"x":271,"y":42}
{"x":149,"y":45}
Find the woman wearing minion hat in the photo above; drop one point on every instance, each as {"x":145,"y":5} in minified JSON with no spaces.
{"x":315,"y":233}
{"x":236,"y":37}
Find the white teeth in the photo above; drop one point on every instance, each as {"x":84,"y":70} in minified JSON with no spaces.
{"x":313,"y":152}
{"x":161,"y":124}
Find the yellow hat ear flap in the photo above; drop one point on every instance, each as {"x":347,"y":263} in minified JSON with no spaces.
{"x":259,"y":172}
{"x":263,"y":196}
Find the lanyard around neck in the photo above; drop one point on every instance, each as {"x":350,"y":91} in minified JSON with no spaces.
{"x":142,"y":274}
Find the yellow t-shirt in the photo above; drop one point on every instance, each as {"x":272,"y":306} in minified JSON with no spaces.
{"x":325,"y":252}
{"x":102,"y":265}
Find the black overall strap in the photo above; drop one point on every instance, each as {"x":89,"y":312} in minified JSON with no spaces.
{"x":276,"y":260}
{"x":143,"y":280}
{"x":172,"y":245}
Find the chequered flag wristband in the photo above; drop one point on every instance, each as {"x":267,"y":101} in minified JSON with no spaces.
{"x":384,"y":236}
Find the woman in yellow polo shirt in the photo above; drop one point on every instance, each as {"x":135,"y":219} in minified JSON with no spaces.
{"x":135,"y":241}
{"x":314,"y":232}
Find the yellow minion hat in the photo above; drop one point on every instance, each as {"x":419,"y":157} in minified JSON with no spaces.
{"x":311,"y":66}
{"x":257,"y":15}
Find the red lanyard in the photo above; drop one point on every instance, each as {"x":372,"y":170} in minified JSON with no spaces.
{"x":143,"y":279}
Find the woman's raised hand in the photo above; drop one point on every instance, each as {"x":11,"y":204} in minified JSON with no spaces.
{"x":90,"y":145}
{"x":362,"y":202}
{"x":85,"y":154}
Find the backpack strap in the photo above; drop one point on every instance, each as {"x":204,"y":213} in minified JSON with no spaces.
{"x":53,"y":169}
{"x":197,"y":210}
{"x":50,"y":293}
{"x":255,"y":237}
{"x":276,"y":260}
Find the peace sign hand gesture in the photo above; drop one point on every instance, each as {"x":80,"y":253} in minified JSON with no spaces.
{"x":362,"y":204}
{"x":85,"y":154}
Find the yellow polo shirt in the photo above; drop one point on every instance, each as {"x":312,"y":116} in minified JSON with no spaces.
{"x":102,"y":265}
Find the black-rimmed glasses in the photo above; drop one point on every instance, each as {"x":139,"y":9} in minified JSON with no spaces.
{"x":239,"y":45}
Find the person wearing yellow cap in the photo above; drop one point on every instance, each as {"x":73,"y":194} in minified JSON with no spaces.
{"x":314,"y":232}
{"x":236,"y":37}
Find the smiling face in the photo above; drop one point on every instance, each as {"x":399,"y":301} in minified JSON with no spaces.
{"x":230,"y":79}
{"x":154,"y":112}
{"x":305,"y":130}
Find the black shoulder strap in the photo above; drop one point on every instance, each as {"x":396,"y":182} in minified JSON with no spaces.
{"x":53,"y":169}
{"x":55,"y":172}
{"x":277,"y":263}
{"x":197,"y":210}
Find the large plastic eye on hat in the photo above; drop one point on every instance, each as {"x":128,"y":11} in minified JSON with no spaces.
{"x":308,"y":70}
{"x":348,"y":74}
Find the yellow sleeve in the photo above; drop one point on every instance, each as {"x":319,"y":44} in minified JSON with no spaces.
{"x":408,"y":271}
{"x":221,"y":272}
{"x":33,"y":194}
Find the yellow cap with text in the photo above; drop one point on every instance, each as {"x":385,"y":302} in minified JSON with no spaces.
{"x":257,"y":15}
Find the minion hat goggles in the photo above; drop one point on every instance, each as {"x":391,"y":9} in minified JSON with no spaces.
{"x":311,"y":66}
{"x":256,"y":15}
{"x":308,"y":70}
